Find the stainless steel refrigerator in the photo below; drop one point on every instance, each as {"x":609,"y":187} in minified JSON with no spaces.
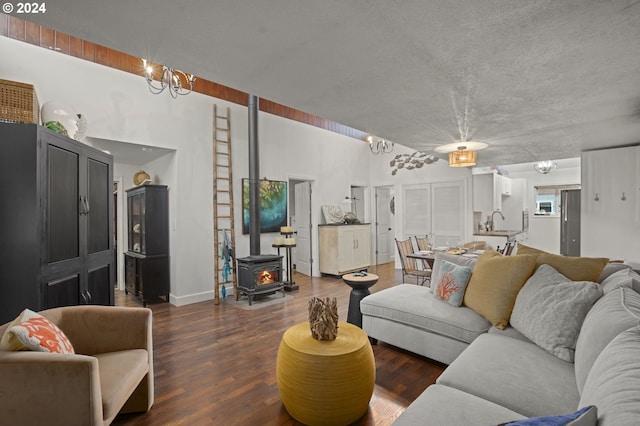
{"x":570,"y":222}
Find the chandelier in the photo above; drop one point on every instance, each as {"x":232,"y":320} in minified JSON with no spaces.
{"x":463,"y":153}
{"x":378,"y":145}
{"x":177,"y":81}
{"x":545,"y":167}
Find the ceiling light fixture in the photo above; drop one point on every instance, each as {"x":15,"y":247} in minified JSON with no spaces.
{"x":462,"y":154}
{"x":378,"y":145}
{"x":544,"y":167}
{"x":462,"y":157}
{"x":177,"y":81}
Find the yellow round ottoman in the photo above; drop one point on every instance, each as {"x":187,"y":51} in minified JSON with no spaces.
{"x":325,"y":382}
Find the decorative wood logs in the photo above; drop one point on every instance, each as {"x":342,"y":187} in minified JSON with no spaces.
{"x":323,"y":318}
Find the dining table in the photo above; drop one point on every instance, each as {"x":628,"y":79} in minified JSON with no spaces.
{"x":429,"y":256}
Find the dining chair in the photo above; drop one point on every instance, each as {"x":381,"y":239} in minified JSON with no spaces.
{"x":422,"y":242}
{"x":509,"y":248}
{"x":409,"y":267}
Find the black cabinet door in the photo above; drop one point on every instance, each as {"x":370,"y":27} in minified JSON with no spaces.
{"x":99,"y":286}
{"x":98,"y":206}
{"x":64,"y":291}
{"x":62,"y":224}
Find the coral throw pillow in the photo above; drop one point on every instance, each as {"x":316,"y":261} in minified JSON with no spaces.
{"x":32,"y":331}
{"x":452,"y":283}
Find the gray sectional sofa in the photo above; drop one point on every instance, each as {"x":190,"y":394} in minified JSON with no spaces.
{"x":498,"y":376}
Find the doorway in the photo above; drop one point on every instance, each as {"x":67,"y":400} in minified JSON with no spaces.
{"x":300,"y":214}
{"x":385,"y":213}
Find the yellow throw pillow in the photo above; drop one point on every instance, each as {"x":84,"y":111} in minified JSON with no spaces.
{"x":574,"y":268}
{"x":495,"y":283}
{"x":522,"y":249}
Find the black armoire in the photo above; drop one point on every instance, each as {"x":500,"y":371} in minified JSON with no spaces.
{"x":147,"y":260}
{"x":56,"y":221}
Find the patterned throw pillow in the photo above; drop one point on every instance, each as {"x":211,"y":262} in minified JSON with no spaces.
{"x":32,"y":331}
{"x":587,"y":416}
{"x":452,"y":283}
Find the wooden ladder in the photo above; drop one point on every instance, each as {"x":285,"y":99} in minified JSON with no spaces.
{"x":223,"y":229}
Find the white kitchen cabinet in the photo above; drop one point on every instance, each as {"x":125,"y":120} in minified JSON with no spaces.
{"x":610,"y":206}
{"x":488,"y":191}
{"x":344,"y":248}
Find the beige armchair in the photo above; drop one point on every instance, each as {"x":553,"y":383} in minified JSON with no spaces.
{"x":110,"y":373}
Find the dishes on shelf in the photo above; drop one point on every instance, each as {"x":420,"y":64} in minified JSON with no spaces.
{"x":136,"y":228}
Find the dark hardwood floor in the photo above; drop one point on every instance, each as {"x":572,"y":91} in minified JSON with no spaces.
{"x":215,"y":365}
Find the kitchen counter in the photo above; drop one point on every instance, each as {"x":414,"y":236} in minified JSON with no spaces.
{"x":499,"y":233}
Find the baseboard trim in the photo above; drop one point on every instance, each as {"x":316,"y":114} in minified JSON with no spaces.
{"x":196,"y":297}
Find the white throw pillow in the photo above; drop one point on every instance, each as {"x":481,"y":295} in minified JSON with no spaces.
{"x":550,"y":310}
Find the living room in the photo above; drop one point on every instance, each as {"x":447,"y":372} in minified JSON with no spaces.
{"x":120,"y":110}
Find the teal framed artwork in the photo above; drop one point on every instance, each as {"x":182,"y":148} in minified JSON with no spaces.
{"x":273,"y":205}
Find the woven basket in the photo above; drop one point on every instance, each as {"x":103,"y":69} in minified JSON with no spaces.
{"x":140,"y":177}
{"x":18,"y":102}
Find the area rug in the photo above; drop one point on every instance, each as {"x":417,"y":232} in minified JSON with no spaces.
{"x":257,"y":302}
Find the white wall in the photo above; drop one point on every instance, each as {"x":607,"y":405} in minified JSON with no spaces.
{"x":439,"y":171}
{"x":118,"y":106}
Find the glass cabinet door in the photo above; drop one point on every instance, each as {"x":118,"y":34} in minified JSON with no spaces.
{"x":136,"y":223}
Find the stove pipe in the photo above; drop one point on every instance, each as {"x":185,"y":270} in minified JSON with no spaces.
{"x":254,"y":179}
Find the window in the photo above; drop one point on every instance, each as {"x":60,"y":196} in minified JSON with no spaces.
{"x":548,"y":198}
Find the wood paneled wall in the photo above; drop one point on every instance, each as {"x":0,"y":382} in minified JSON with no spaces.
{"x":28,"y":32}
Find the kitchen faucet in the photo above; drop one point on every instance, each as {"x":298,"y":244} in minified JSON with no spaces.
{"x":491,"y":221}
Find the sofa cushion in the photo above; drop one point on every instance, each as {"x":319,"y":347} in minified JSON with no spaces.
{"x":515,"y":374}
{"x":574,"y":268}
{"x":611,"y":268}
{"x":625,"y":277}
{"x":495,"y":283}
{"x":32,"y":331}
{"x":120,"y":374}
{"x":509,"y":332}
{"x":613,"y":384}
{"x":452,"y":283}
{"x":550,"y":309}
{"x":615,"y":312}
{"x":586,"y":416}
{"x":443,"y":405}
{"x":417,"y":307}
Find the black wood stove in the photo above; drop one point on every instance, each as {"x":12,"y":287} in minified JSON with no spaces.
{"x":260,"y":275}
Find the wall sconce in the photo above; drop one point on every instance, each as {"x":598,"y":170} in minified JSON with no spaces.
{"x":178,"y":82}
{"x":378,"y":145}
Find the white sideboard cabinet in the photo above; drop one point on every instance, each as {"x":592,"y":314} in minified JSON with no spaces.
{"x":344,"y":248}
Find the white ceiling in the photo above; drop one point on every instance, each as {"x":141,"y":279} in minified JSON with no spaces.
{"x":538,"y":79}
{"x":128,"y":153}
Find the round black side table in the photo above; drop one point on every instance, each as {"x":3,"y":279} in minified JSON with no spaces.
{"x":359,"y":290}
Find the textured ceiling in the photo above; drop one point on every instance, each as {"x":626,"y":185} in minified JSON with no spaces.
{"x":536,"y":79}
